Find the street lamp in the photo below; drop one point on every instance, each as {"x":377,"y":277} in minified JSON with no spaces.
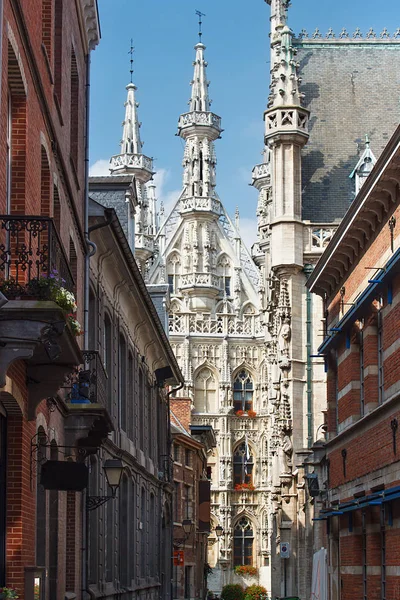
{"x":113,"y":469}
{"x":219,"y":531}
{"x":187,"y":526}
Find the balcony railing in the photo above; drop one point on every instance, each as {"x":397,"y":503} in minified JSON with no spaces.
{"x":88,"y":383}
{"x":30,"y":252}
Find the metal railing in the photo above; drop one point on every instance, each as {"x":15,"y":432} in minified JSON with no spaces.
{"x":88,"y":383}
{"x":30,"y":252}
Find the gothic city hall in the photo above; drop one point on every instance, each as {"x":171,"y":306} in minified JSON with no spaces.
{"x":200,"y":336}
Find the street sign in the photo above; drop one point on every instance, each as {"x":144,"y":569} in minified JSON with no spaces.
{"x":178,"y":558}
{"x":285,"y":550}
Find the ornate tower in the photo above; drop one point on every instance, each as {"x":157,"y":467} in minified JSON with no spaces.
{"x":132,"y":161}
{"x":199,"y":205}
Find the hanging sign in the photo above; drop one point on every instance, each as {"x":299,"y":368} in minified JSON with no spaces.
{"x":178,"y":558}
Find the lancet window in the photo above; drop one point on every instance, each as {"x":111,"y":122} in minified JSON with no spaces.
{"x":243,"y":464}
{"x":205,"y":391}
{"x":243,"y":390}
{"x":243,"y":540}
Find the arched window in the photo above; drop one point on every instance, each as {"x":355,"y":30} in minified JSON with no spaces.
{"x":243,"y":543}
{"x":205,"y":392}
{"x":243,"y":391}
{"x":153,"y":537}
{"x":131,"y":400}
{"x":45,"y":185}
{"x":243,"y":464}
{"x":224,"y":270}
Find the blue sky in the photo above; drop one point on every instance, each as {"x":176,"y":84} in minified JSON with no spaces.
{"x":236,"y":36}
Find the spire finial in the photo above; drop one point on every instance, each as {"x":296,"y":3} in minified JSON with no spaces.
{"x":200,"y":15}
{"x":131,"y":51}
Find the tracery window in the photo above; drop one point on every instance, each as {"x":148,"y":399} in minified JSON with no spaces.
{"x":205,"y":391}
{"x":243,"y":391}
{"x":243,"y":464}
{"x":243,"y":543}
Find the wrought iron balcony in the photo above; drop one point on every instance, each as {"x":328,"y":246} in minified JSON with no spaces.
{"x":31,"y":252}
{"x":87,"y":384}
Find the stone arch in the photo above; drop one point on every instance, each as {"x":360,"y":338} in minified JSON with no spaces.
{"x":248,"y":308}
{"x":12,"y":398}
{"x":16,"y":74}
{"x":205,"y":389}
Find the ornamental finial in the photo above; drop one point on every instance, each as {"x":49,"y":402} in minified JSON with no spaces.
{"x":200,"y":15}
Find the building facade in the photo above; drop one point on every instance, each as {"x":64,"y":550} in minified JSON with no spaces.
{"x":308,"y":179}
{"x":359,"y":277}
{"x":45,"y":50}
{"x":130,"y":539}
{"x":244,"y":328}
{"x":191,"y":501}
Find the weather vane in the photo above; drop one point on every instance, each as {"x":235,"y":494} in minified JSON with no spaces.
{"x":200,"y":14}
{"x":131,"y":51}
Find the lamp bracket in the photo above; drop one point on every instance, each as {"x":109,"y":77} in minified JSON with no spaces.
{"x":94,"y":502}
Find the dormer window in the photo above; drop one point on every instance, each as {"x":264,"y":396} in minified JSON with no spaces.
{"x":364,"y":167}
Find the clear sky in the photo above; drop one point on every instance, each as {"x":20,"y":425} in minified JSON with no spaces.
{"x":236,"y":35}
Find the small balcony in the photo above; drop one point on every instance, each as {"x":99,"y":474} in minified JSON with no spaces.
{"x":88,"y":422}
{"x":37,"y":323}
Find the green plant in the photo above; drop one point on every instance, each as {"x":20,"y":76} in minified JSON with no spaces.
{"x":7,"y":592}
{"x":232,"y":591}
{"x":255,"y":592}
{"x":245,"y":570}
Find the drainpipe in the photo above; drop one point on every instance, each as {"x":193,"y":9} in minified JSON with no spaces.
{"x":86,"y":210}
{"x":308,"y":269}
{"x":169,"y":448}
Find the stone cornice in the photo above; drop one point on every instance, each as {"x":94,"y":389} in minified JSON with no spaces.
{"x":90,"y":22}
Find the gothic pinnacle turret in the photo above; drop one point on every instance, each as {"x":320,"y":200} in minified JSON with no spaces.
{"x":132,"y":161}
{"x":199,"y":128}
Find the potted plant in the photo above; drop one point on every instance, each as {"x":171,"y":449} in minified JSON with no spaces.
{"x":245,"y":570}
{"x":7,"y":592}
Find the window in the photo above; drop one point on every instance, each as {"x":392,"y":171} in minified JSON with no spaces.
{"x":58,"y":27}
{"x":74,"y":112}
{"x":107,"y":356}
{"x":188,"y":582}
{"x":41,"y":502}
{"x":122,"y":382}
{"x":130,"y":397}
{"x":177,"y":499}
{"x":243,"y":543}
{"x":227,"y":286}
{"x":243,"y":465}
{"x":243,"y":392}
{"x":109,"y":541}
{"x":188,"y":458}
{"x":187,"y":502}
{"x":123,"y":532}
{"x":142,"y":403}
{"x":143,"y":533}
{"x":56,"y":208}
{"x":381,"y":377}
{"x":53,"y":532}
{"x":176,"y":453}
{"x":92,"y":320}
{"x":93,"y":522}
{"x":73,"y":261}
{"x":171,"y":283}
{"x":205,"y":395}
{"x":153,"y":537}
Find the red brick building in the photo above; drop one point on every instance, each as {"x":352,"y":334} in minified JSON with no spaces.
{"x":44,"y":56}
{"x":191,"y":503}
{"x":359,"y":278}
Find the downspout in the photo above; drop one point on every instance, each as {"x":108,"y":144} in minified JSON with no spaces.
{"x":169,"y":452}
{"x":308,"y":269}
{"x":86,"y":210}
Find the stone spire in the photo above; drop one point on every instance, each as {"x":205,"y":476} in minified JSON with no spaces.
{"x":278,"y":13}
{"x":199,"y":128}
{"x":199,"y":99}
{"x":132,"y":161}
